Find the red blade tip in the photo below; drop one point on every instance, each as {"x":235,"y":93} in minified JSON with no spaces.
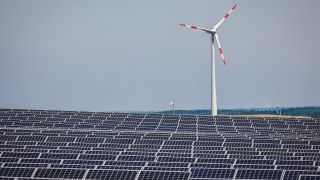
{"x":234,"y":6}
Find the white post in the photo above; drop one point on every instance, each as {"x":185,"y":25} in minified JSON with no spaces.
{"x":213,"y":79}
{"x":173,"y":107}
{"x":172,"y":104}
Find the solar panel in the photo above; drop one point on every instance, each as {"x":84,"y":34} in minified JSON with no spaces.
{"x":111,"y":174}
{"x":61,"y":139}
{"x":83,"y":162}
{"x":16,"y":172}
{"x":97,"y":157}
{"x":165,"y":169}
{"x":255,"y":161}
{"x":298,"y":167}
{"x":296,"y":174}
{"x":58,"y":156}
{"x":88,"y":145}
{"x":20,"y":155}
{"x":47,"y":161}
{"x":258,"y":174}
{"x":216,"y":161}
{"x":213,"y":173}
{"x":9,"y":159}
{"x":253,"y":166}
{"x":60,"y":173}
{"x":211,"y":166}
{"x":160,"y":175}
{"x":309,"y":177}
{"x":34,"y":165}
{"x":136,"y":158}
{"x":31,"y":138}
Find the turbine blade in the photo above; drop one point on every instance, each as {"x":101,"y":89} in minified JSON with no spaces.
{"x":220,"y":49}
{"x":224,"y":18}
{"x":196,"y":28}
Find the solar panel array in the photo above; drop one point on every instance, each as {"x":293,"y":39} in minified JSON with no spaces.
{"x":39,"y":144}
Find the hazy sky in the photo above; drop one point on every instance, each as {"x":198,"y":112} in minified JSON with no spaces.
{"x":132,"y":55}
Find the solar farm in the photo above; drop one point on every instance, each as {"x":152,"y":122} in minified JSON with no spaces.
{"x":45,"y":144}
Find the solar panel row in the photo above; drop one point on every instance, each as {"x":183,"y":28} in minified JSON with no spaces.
{"x":78,"y":145}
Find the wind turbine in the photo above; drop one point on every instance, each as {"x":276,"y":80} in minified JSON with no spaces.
{"x":214,"y":36}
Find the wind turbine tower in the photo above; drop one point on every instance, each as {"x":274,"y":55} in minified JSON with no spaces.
{"x":214,"y":36}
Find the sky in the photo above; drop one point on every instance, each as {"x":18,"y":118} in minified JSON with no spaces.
{"x":133,"y":55}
